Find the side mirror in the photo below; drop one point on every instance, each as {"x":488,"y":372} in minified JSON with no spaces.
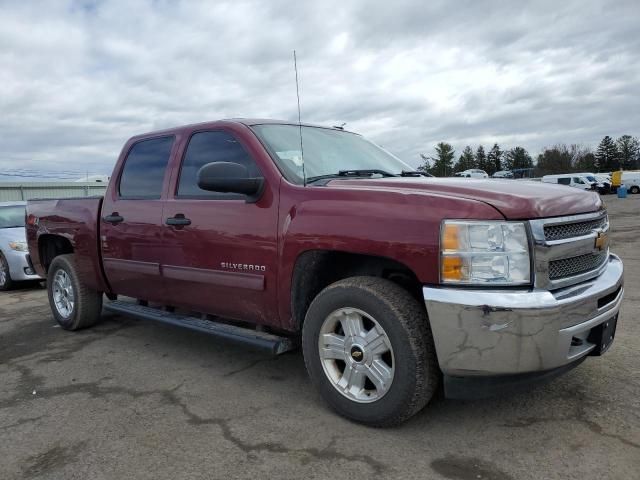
{"x":228,"y":177}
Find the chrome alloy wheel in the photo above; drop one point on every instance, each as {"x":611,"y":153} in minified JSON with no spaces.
{"x":356,"y":355}
{"x":63,"y":295}
{"x":3,"y":271}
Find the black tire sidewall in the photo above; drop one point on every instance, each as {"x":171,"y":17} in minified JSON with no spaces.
{"x":634,"y":190}
{"x":63,"y":263}
{"x":403,"y":386}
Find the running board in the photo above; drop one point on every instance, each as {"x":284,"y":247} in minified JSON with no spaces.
{"x":273,"y":344}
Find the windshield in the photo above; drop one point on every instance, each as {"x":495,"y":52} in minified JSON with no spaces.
{"x":326,"y":151}
{"x":12,"y":216}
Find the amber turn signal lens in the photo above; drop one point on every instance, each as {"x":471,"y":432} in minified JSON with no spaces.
{"x":451,"y":237}
{"x":451,"y":268}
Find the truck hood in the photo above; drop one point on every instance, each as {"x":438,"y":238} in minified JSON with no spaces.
{"x":515,"y":199}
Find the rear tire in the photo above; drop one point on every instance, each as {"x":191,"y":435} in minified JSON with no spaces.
{"x":635,"y":189}
{"x":73,"y":304}
{"x":5,"y":276}
{"x":348,"y":373}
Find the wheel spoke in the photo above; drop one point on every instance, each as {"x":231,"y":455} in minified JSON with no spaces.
{"x":352,"y":380}
{"x":352,"y":325}
{"x":333,"y":346}
{"x":377,"y":342}
{"x":380,"y":375}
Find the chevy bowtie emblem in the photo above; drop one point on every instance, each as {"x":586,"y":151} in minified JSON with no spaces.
{"x":602,"y":240}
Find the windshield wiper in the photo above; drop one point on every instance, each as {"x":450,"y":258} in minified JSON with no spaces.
{"x":351,"y":174}
{"x":359,"y":173}
{"x":414,"y":173}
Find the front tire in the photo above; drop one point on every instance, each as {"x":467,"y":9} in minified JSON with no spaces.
{"x":5,"y":276}
{"x":635,"y":189}
{"x":369,"y":351}
{"x":73,"y":304}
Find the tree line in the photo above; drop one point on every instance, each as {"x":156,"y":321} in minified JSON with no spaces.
{"x":610,"y":155}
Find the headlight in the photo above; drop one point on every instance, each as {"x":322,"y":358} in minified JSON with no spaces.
{"x":484,"y":252}
{"x":18,"y":246}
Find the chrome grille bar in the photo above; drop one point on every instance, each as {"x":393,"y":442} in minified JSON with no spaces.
{"x":565,"y":250}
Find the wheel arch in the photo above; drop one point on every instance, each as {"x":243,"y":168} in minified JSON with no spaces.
{"x":316,"y":269}
{"x":50,"y":246}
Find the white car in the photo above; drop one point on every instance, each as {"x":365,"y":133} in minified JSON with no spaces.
{"x":473,"y":173}
{"x":503,"y":174}
{"x":14,"y":256}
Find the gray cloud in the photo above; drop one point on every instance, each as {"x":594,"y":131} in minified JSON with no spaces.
{"x":79,"y":78}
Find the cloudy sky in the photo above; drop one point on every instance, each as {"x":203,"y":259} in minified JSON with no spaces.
{"x":78,"y":78}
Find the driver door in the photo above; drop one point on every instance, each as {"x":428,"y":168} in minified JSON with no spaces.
{"x":221,"y":257}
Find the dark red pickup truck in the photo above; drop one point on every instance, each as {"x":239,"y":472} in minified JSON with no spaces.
{"x":391,"y":281}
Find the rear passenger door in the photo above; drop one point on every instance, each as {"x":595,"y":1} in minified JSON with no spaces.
{"x":131,"y":226}
{"x":224,"y":261}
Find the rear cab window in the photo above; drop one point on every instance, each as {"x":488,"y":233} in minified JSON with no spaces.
{"x":144,"y":169}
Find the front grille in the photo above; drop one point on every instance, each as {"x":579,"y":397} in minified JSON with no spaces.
{"x":578,"y":229}
{"x":568,"y":267}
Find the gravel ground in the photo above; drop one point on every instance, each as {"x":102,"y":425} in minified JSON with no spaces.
{"x":130,"y":399}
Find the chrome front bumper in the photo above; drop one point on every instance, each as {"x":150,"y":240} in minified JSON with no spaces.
{"x":503,"y":332}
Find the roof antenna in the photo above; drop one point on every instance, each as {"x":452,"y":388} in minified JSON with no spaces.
{"x":295,"y":67}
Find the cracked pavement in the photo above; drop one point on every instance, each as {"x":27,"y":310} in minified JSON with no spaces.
{"x":132,"y":399}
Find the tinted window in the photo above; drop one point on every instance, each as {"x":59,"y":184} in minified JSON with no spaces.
{"x":12,"y":216}
{"x":209,"y":147}
{"x":144,"y":168}
{"x":564,"y":181}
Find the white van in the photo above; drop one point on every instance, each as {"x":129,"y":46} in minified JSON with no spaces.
{"x":632,"y":181}
{"x":571,"y":180}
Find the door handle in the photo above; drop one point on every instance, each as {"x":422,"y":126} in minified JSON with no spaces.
{"x":113,"y":218}
{"x":178,"y":221}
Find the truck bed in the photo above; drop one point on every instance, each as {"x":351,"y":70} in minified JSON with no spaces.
{"x":74,"y":222}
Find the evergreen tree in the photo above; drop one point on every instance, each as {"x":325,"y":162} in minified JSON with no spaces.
{"x":481,"y":159}
{"x":494,"y":160}
{"x":629,"y":151}
{"x":443,"y":163}
{"x":607,"y":156}
{"x":466,"y":160}
{"x":516,"y":158}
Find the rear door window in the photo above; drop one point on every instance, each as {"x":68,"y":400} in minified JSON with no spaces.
{"x":144,"y":168}
{"x":209,"y":147}
{"x":564,"y":181}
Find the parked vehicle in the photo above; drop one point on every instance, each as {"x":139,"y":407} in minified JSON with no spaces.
{"x":14,"y":259}
{"x":632,"y":181}
{"x":605,"y":180}
{"x":503,"y":174}
{"x":472,"y":173}
{"x":601,"y":183}
{"x":390,"y":280}
{"x":571,"y":180}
